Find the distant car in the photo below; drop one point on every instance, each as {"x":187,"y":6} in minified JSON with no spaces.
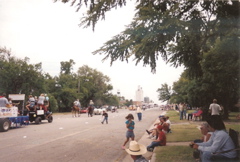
{"x":109,"y":108}
{"x":83,"y":110}
{"x":97,"y":111}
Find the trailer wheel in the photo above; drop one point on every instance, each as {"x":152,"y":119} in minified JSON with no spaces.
{"x":37,"y":120}
{"x":4,"y":125}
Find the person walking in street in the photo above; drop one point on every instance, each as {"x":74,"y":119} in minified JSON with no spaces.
{"x":105,"y":115}
{"x":214,"y":108}
{"x":136,"y":151}
{"x":130,"y":127}
{"x":139,"y":113}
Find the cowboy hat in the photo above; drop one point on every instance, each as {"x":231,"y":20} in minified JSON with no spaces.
{"x":136,"y":149}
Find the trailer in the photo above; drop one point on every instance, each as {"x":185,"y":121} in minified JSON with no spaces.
{"x":9,"y":118}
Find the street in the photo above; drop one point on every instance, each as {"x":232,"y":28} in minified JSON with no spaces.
{"x":69,"y":139}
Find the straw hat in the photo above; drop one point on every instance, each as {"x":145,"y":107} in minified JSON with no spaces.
{"x":136,"y":149}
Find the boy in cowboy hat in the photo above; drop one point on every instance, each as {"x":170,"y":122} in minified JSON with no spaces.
{"x":136,"y":151}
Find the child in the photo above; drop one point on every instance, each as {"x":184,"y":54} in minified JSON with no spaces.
{"x":130,"y":126}
{"x":105,"y":117}
{"x":161,"y":141}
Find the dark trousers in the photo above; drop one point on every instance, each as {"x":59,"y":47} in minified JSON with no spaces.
{"x":139,"y":116}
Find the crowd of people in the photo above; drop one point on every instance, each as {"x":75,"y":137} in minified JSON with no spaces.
{"x":215,"y":144}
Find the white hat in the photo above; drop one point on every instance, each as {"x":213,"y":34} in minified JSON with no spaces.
{"x":136,"y":149}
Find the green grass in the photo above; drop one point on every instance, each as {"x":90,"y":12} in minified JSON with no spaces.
{"x":174,"y":154}
{"x":185,"y":131}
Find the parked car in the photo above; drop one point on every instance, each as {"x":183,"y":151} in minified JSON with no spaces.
{"x":83,"y":110}
{"x":97,"y":111}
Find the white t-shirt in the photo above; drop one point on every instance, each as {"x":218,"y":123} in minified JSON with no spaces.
{"x":41,"y":100}
{"x":215,"y":109}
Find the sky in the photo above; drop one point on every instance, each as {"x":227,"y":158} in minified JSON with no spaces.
{"x":48,"y":32}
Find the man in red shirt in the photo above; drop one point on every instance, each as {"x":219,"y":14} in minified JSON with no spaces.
{"x":161,"y":141}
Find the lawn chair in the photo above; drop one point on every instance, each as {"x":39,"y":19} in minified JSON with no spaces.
{"x":198,"y":115}
{"x":234,"y":136}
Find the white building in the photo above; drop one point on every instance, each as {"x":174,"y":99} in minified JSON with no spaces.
{"x":139,"y":94}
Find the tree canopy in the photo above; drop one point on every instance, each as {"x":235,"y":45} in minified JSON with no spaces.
{"x":201,"y":35}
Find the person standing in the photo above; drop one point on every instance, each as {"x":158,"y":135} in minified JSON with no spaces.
{"x":185,"y":110}
{"x":136,"y":151}
{"x":181,"y":111}
{"x":214,"y":108}
{"x":105,"y":115}
{"x":3,"y":101}
{"x":40,"y":101}
{"x":139,"y":113}
{"x":130,"y":127}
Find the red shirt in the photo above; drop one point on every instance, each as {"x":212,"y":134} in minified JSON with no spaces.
{"x":162,"y":138}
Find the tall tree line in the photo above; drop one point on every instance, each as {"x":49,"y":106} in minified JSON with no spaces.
{"x":18,"y":76}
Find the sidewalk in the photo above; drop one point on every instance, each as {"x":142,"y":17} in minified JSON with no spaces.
{"x":145,"y":141}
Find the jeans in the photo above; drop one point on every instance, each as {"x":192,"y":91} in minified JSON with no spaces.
{"x":139,"y":116}
{"x":181,"y":115}
{"x":208,"y":157}
{"x":154,"y":144}
{"x":105,"y":119}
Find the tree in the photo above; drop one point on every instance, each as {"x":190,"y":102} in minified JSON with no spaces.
{"x":164,"y":92}
{"x":182,"y":32}
{"x":67,"y":66}
{"x":18,"y":76}
{"x":94,"y":85}
{"x":176,"y":30}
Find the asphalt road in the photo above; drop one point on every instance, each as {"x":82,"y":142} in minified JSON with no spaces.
{"x":68,"y":139}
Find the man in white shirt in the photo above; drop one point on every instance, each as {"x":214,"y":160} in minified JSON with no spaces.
{"x":219,"y":141}
{"x":214,"y":108}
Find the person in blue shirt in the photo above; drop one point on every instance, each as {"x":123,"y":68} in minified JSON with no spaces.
{"x":219,"y":141}
{"x":130,"y":127}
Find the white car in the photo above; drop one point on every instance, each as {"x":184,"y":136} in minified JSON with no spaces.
{"x":97,"y":111}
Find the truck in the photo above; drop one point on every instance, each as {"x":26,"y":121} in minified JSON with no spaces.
{"x":10,"y":116}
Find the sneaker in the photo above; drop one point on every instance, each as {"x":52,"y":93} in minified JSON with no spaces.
{"x":123,"y":147}
{"x":148,"y":132}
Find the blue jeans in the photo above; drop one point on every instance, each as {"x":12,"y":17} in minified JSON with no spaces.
{"x":154,"y":144}
{"x":105,"y":119}
{"x":139,"y":116}
{"x":181,"y":115}
{"x":208,"y":157}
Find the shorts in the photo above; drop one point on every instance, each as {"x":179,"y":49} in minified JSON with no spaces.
{"x":130,"y":134}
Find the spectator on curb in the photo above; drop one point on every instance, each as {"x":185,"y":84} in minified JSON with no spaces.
{"x":169,"y":124}
{"x":205,"y":130}
{"x":160,"y":141}
{"x":136,"y":151}
{"x":219,"y":141}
